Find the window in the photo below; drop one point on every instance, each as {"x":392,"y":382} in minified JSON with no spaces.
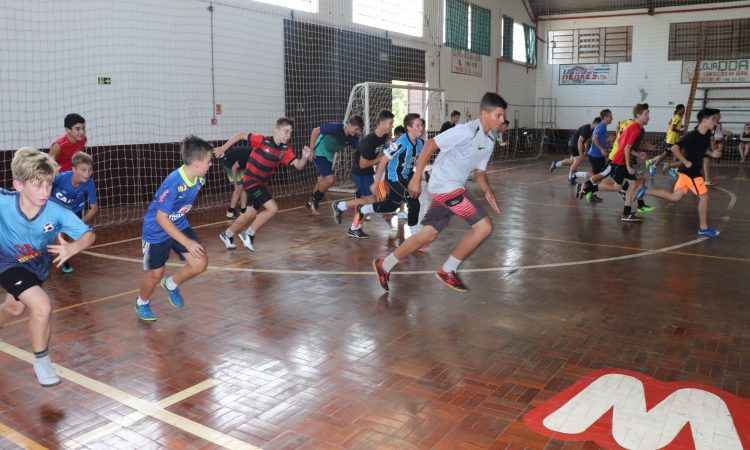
{"x":716,"y":39}
{"x":590,"y":45}
{"x":467,"y":27}
{"x":302,"y":5}
{"x":519,"y":42}
{"x":399,"y":16}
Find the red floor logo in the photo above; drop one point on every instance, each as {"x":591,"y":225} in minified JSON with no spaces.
{"x":619,"y":409}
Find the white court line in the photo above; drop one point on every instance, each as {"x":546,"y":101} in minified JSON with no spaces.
{"x":124,"y":422}
{"x":294,"y":208}
{"x":146,"y":408}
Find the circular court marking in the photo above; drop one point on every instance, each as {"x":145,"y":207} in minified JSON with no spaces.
{"x":730,"y":206}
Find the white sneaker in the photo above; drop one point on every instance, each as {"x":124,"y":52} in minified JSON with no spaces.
{"x":45,"y":373}
{"x":247,"y":241}
{"x":228,"y":241}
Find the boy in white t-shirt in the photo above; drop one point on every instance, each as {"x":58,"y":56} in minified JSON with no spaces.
{"x":463,"y":149}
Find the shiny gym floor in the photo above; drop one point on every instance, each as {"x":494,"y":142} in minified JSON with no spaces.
{"x":296,"y":346}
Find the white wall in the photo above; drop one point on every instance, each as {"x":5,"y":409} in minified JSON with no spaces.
{"x":650,"y":77}
{"x":157,"y":54}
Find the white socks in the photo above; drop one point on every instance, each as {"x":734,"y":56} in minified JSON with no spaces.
{"x":367,"y":209}
{"x":389,"y":262}
{"x":142,"y":302}
{"x":341,"y":206}
{"x":451,"y":264}
{"x":171,"y":285}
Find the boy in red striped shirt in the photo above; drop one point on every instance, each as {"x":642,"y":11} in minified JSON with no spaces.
{"x":268,"y":152}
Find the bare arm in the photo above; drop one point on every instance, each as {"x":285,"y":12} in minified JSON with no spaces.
{"x":54,"y":150}
{"x":194,"y":248}
{"x":91,"y":213}
{"x":627,"y":158}
{"x":365,"y":163}
{"x":581,"y":146}
{"x":480,"y":178}
{"x":314,"y":137}
{"x":219,"y":151}
{"x":65,"y":250}
{"x":415,"y":185}
{"x":677,"y":153}
{"x":300,"y":163}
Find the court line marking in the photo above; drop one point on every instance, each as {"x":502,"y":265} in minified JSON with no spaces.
{"x":88,"y":302}
{"x":144,"y":407}
{"x":124,"y":422}
{"x":294,"y":208}
{"x":9,"y":434}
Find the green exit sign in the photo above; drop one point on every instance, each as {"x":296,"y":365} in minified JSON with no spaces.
{"x":104,"y":80}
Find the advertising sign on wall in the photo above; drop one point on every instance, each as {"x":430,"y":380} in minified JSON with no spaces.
{"x":466,"y":63}
{"x":718,"y":71}
{"x":573,"y":74}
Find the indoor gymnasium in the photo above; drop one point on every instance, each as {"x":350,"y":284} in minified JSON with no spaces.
{"x":230,"y":224}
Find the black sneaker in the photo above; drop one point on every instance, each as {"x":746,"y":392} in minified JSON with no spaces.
{"x":572,"y":180}
{"x":595,"y":199}
{"x":312,"y":207}
{"x":632,"y":217}
{"x":336,"y":213}
{"x":358,"y":233}
{"x":579,"y":193}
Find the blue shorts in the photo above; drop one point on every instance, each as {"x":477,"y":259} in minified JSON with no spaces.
{"x":363,"y":183}
{"x":323,"y":166}
{"x":155,"y":255}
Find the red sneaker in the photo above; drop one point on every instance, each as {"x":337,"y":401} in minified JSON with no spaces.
{"x":451,"y":280}
{"x":383,"y":276}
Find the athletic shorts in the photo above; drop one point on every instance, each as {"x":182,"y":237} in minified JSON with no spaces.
{"x":155,"y":255}
{"x":323,"y":166}
{"x":695,"y":185}
{"x":363,"y":184}
{"x":573,"y":151}
{"x":456,"y":203}
{"x":620,"y":174}
{"x":258,"y":195}
{"x":598,"y":163}
{"x":667,"y":148}
{"x":383,"y":189}
{"x":240,"y":175}
{"x":17,"y":280}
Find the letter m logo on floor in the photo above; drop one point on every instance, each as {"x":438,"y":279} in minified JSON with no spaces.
{"x":626,"y":410}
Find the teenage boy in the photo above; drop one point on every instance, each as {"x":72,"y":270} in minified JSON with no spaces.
{"x":73,"y":142}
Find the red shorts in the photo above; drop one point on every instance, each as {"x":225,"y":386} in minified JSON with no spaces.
{"x":455,"y":203}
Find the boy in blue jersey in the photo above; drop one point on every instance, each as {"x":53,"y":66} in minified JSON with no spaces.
{"x":75,"y":188}
{"x":326,"y":141}
{"x":29,"y":225}
{"x":165,"y":228}
{"x":398,"y":164}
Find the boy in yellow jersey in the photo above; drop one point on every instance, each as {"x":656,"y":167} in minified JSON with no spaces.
{"x":674,"y":132}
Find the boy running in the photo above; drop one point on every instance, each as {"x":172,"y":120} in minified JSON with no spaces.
{"x":577,"y":147}
{"x":326,"y":141}
{"x":464,"y":148}
{"x":674,"y":132}
{"x":76,"y":188}
{"x":690,"y":151}
{"x":235,"y":161}
{"x":267,"y":154}
{"x":30,"y":224}
{"x":165,"y":228}
{"x":73,"y":142}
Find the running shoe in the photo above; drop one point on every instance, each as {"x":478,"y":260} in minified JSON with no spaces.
{"x":651,"y":167}
{"x":247,"y":241}
{"x":552,"y":166}
{"x":708,"y":232}
{"x":383,"y":276}
{"x":358,"y":233}
{"x":174,"y":295}
{"x":228,"y":241}
{"x":144,"y":312}
{"x":595,"y":199}
{"x":589,"y":197}
{"x":45,"y":373}
{"x":230,"y":213}
{"x":451,"y":280}
{"x":67,"y":268}
{"x":572,"y":180}
{"x":709,"y":183}
{"x":336,"y":213}
{"x":312,"y":207}
{"x":645,"y":209}
{"x":672,"y":173}
{"x":631,"y":218}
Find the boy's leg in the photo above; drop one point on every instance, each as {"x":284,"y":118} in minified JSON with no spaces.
{"x":155,"y":257}
{"x":324,"y":167}
{"x":38,"y":303}
{"x":270,"y":208}
{"x":10,"y":309}
{"x":149,"y":282}
{"x":707,"y":170}
{"x":703,"y":211}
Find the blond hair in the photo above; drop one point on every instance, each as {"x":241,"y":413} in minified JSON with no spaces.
{"x":82,"y":158}
{"x":29,"y":164}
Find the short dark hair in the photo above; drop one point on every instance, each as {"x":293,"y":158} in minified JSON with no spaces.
{"x":639,"y":108}
{"x":410,"y":118}
{"x":705,"y":113}
{"x":604,"y":113}
{"x":455,"y":113}
{"x":383,"y":115}
{"x":597,"y":120}
{"x":399,"y":130}
{"x":193,"y":148}
{"x":284,"y":121}
{"x":506,"y":123}
{"x":73,"y":119}
{"x":490,"y":101}
{"x":357,"y":122}
{"x":679,"y":107}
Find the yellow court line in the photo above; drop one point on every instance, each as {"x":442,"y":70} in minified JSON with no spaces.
{"x":89,"y":302}
{"x":19,"y":439}
{"x":124,"y":422}
{"x":146,"y":408}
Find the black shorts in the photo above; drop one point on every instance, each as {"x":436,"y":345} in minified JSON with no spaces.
{"x":155,"y":255}
{"x":257,"y":196}
{"x":666,"y":148}
{"x":17,"y":280}
{"x":573,"y":151}
{"x":598,"y":163}
{"x":620,"y":174}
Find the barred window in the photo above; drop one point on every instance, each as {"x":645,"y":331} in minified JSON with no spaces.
{"x":710,"y":40}
{"x":590,"y":45}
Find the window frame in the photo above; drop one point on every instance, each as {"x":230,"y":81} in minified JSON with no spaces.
{"x":455,"y":40}
{"x":597,"y":45}
{"x":381,"y":23}
{"x":297,"y":5}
